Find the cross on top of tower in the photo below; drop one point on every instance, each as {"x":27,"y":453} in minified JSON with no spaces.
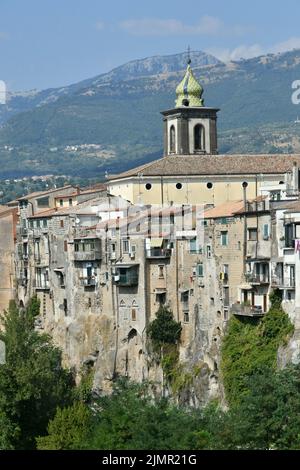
{"x":189,"y":60}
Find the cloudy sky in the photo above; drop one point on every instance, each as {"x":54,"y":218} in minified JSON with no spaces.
{"x":50,"y":43}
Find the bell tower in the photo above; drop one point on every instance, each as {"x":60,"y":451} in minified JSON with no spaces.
{"x":190,"y":128}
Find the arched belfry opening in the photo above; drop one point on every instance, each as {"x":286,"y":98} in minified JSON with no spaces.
{"x":172,"y":139}
{"x":199,"y":138}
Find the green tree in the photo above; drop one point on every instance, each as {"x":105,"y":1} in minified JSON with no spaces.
{"x":164,"y":329}
{"x":268,"y":417}
{"x":131,"y":418}
{"x":33,"y":382}
{"x":249,"y":345}
{"x":67,"y":430}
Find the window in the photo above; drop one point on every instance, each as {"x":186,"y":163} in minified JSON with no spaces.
{"x":225,"y":274}
{"x":65,"y":245}
{"x":43,"y":202}
{"x":172,"y":139}
{"x":224,"y":238}
{"x":161,"y":272}
{"x":65,"y":307}
{"x":161,"y":298}
{"x":185,"y":301}
{"x":194,"y":246}
{"x":178,"y":186}
{"x":70,"y":202}
{"x":133,"y":314}
{"x":252,"y":234}
{"x":45,"y":223}
{"x":208,"y":251}
{"x":61,"y":224}
{"x":199,"y":138}
{"x":226,"y":296}
{"x":148,"y":186}
{"x":200,"y":270}
{"x":239,"y":246}
{"x":209,"y":185}
{"x":61,"y":202}
{"x":289,"y":236}
{"x":125,"y":246}
{"x":186,"y":317}
{"x":266,"y":233}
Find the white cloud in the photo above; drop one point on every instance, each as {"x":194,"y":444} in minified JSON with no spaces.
{"x":239,"y":52}
{"x":247,"y":52}
{"x":207,"y":25}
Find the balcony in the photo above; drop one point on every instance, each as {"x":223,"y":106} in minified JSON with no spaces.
{"x":289,"y":283}
{"x":91,"y":255}
{"x":88,"y":281}
{"x":247,"y":310}
{"x":43,"y":285}
{"x":156,"y":252}
{"x":281,"y":283}
{"x":257,"y":279}
{"x":127,"y":276}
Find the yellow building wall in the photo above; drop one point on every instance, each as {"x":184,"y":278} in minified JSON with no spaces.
{"x":193,"y":191}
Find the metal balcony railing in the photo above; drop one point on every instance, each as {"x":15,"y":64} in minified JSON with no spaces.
{"x":88,"y":281}
{"x":91,"y":255}
{"x":247,"y":310}
{"x":158,"y":253}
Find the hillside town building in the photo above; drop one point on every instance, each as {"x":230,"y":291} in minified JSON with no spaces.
{"x":206,"y":235}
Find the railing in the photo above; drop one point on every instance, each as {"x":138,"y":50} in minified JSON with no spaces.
{"x":42,"y":285}
{"x":257,"y":278}
{"x":128,"y":279}
{"x":91,"y":255}
{"x":283,"y":283}
{"x":88,"y":281}
{"x":289,"y":283}
{"x":158,"y":253}
{"x":247,"y":310}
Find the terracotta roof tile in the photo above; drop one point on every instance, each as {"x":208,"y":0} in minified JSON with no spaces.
{"x":228,"y":209}
{"x":186,"y":165}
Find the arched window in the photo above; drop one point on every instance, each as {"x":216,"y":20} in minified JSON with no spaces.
{"x":199,"y":143}
{"x":172,"y":139}
{"x":134,"y":310}
{"x":122,"y":303}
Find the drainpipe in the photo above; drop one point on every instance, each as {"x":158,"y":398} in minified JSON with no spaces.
{"x":245,"y":225}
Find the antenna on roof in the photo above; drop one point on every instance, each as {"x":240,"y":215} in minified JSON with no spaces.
{"x":189,"y":55}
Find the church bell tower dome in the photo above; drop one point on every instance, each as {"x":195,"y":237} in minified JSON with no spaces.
{"x":189,"y":91}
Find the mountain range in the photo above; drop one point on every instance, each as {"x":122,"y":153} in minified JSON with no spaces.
{"x":112,"y":122}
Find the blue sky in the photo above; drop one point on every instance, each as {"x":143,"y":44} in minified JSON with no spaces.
{"x":50,"y":43}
